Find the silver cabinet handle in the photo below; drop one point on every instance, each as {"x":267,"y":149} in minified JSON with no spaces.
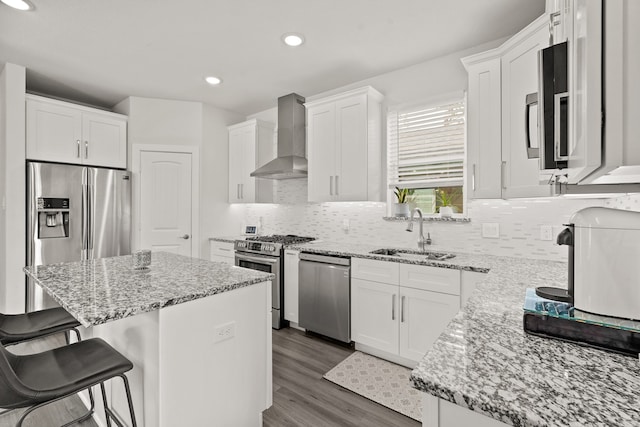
{"x":331,"y":185}
{"x":185,"y":237}
{"x":86,"y":149}
{"x":225,"y":249}
{"x":393,"y":307}
{"x":530,"y":100}
{"x":78,"y":148}
{"x":402,"y":309}
{"x":473,"y":177}
{"x":337,"y":186}
{"x":503,"y":166}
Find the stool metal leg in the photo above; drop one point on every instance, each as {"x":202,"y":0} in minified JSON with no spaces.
{"x":109,"y":413}
{"x":40,"y":405}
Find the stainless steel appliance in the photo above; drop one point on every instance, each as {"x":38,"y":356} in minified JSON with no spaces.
{"x":266,"y":253}
{"x":74,"y":213}
{"x":324,"y":295}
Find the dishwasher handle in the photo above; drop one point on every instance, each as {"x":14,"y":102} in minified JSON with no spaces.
{"x":325,"y":259}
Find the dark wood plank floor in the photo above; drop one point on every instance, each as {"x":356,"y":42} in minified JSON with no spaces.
{"x":56,"y":414}
{"x":301,"y":397}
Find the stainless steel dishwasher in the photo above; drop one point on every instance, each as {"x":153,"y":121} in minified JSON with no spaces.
{"x":324,"y":295}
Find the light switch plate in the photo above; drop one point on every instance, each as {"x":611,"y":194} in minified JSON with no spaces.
{"x":491,"y":230}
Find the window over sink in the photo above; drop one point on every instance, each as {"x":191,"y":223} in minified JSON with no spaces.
{"x":425,"y":154}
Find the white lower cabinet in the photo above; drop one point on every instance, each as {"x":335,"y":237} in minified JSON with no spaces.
{"x":221,"y":252}
{"x":291,"y":261}
{"x":374,"y":320}
{"x":400,"y":317}
{"x":423,"y":316}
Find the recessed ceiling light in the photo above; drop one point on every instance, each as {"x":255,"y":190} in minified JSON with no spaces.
{"x":18,"y":4}
{"x":293,"y":39}
{"x":214,"y":81}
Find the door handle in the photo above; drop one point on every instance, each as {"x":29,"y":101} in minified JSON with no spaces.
{"x":86,"y":149}
{"x":78,"y":148}
{"x":331,"y":185}
{"x":393,"y":307}
{"x":503,"y":166}
{"x":402,"y":309}
{"x":530,"y":100}
{"x":185,"y":237}
{"x":473,"y":177}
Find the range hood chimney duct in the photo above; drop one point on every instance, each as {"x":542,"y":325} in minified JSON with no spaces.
{"x":291,"y":161}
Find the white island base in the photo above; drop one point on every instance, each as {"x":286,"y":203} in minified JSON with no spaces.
{"x":206,"y":362}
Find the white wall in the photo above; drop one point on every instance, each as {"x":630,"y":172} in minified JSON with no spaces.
{"x":12,"y":188}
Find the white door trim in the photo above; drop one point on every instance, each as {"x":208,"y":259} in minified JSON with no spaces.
{"x":195,"y":190}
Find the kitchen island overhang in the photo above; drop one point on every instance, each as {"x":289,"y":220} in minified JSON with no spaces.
{"x":198,"y":333}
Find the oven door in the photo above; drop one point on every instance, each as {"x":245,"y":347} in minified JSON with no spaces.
{"x":272,"y":265}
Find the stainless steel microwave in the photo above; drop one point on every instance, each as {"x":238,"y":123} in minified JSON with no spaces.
{"x":552,"y":100}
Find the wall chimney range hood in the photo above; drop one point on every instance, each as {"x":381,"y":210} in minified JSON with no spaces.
{"x":290,"y":161}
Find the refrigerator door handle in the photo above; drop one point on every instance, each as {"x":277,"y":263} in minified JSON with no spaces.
{"x":85,"y":219}
{"x":90,"y":224}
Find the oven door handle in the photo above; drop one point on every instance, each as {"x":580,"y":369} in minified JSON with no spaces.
{"x":258,"y":259}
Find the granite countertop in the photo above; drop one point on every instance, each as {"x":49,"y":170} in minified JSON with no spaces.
{"x":461,"y":261}
{"x":485,"y":362}
{"x":101,"y":290}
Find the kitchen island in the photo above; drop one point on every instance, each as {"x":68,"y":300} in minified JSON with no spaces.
{"x":485,"y":371}
{"x":197,"y":332}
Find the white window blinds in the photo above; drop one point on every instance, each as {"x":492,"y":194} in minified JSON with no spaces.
{"x":426,"y":146}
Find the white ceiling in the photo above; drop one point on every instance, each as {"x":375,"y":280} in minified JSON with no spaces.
{"x":101,"y":51}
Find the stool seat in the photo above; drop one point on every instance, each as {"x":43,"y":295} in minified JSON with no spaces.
{"x":16,"y":328}
{"x":59,"y":372}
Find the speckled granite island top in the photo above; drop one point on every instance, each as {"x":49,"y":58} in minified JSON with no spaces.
{"x":101,"y":290}
{"x":485,"y":362}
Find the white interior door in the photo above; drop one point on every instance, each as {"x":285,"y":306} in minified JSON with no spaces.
{"x":165,"y":201}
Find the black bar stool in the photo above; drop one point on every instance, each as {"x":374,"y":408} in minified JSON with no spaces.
{"x":17,"y":328}
{"x":35,"y":380}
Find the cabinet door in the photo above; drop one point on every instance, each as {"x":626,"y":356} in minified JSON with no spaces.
{"x":54,"y":132}
{"x":484,"y":151}
{"x":423,"y":317}
{"x":321,"y":148}
{"x":241,"y":157}
{"x":351,"y":180}
{"x":374,"y":315}
{"x":221,"y":252}
{"x":521,"y":175}
{"x":291,"y":261}
{"x":104,"y":141}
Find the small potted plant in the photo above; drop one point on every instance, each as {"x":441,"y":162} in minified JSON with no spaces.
{"x":404,"y":196}
{"x":445,"y":200}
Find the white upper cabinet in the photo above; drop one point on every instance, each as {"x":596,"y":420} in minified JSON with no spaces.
{"x":244,"y":140}
{"x":521,"y":175}
{"x":67,"y":133}
{"x":484,"y":147}
{"x":344,"y":146}
{"x":500,"y":81}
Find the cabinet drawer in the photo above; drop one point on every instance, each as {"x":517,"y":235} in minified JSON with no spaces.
{"x":444,"y":280}
{"x":221,"y":249}
{"x":376,"y":271}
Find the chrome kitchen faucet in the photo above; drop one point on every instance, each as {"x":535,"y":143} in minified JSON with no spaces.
{"x":422,"y":242}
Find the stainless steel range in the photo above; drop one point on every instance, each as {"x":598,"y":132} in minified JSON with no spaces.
{"x":266,"y":253}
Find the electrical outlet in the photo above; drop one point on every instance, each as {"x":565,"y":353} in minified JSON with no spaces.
{"x":546,"y":233}
{"x":224,"y":332}
{"x":491,"y":230}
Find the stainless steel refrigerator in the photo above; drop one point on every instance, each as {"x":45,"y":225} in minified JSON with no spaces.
{"x":74,"y":213}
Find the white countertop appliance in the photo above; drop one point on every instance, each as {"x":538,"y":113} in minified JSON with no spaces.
{"x":607,"y":262}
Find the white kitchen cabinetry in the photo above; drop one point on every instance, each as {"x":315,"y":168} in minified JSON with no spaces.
{"x":395,"y":313}
{"x":221,"y":252}
{"x":67,"y":133}
{"x":499,"y":82}
{"x":291,"y":263}
{"x":244,"y":138}
{"x":521,"y":176}
{"x":484,"y":151}
{"x":344,"y":146}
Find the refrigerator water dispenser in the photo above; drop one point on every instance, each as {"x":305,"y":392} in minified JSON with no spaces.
{"x":53,"y":218}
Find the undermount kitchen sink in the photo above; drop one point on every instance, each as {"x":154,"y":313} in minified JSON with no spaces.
{"x":410,"y":254}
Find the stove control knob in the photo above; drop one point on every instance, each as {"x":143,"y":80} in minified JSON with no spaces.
{"x":272,"y":248}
